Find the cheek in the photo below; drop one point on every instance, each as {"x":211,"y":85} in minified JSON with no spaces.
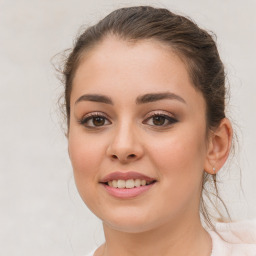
{"x":180,"y":158}
{"x":86,"y":156}
{"x":180,"y":165}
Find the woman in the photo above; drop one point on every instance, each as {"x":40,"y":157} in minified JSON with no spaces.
{"x":147,"y":132}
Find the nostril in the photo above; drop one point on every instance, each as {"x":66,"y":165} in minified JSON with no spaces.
{"x":124,"y":158}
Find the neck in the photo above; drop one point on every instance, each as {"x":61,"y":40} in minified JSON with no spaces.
{"x":179,"y":239}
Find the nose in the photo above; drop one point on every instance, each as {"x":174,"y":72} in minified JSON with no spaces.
{"x":124,"y":145}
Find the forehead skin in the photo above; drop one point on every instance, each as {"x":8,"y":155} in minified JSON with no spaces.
{"x":136,"y":68}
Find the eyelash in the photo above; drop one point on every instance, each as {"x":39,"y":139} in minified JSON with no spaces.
{"x":90,"y":117}
{"x":84,"y":121}
{"x":170,"y":120}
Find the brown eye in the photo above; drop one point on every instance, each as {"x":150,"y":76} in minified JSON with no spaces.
{"x":159,"y":120}
{"x":98,"y":121}
{"x":94,"y":121}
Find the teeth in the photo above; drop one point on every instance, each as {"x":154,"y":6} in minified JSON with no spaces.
{"x":137,"y":183}
{"x":114,"y":183}
{"x":127,"y":183}
{"x":121,"y":183}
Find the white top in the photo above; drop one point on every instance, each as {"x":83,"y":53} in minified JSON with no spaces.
{"x":91,"y":254}
{"x":238,"y":239}
{"x":234,"y":239}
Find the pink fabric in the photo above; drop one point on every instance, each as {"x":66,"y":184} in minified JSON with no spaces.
{"x":234,"y":239}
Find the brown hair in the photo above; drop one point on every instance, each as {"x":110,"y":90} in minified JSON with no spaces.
{"x":194,"y":45}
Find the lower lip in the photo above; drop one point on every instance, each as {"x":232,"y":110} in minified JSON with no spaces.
{"x":127,"y":192}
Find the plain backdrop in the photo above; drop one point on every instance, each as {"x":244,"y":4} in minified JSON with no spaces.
{"x":40,"y":210}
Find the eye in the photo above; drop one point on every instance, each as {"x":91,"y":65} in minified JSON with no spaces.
{"x":94,"y":120}
{"x":160,"y":120}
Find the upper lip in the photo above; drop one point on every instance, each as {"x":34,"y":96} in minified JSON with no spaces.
{"x":125,"y":176}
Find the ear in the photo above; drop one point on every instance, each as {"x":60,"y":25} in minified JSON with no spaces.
{"x":218,"y":147}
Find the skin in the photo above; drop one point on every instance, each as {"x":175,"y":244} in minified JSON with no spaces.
{"x":174,"y":154}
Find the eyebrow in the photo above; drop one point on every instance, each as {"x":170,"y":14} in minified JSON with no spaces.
{"x":146,"y":98}
{"x":151,"y":97}
{"x":95,"y":98}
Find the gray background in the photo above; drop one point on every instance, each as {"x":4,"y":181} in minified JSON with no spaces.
{"x":41,"y":213}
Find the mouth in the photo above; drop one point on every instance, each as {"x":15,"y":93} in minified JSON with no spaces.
{"x":127,"y":184}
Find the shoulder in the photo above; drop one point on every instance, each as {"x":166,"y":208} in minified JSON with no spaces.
{"x":234,"y":239}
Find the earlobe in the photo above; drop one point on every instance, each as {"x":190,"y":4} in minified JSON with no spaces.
{"x":218,"y":147}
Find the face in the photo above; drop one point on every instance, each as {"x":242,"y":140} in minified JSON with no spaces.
{"x":136,"y":118}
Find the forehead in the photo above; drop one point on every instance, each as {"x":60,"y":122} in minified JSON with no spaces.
{"x":132,"y":68}
{"x":131,"y":55}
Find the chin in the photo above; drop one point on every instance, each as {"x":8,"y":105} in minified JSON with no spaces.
{"x":129,"y":221}
{"x":128,"y":227}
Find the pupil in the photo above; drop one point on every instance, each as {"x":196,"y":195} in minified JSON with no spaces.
{"x":158,"y":120}
{"x":98,"y":121}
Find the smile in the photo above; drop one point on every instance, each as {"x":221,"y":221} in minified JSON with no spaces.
{"x":131,"y":183}
{"x":127,"y":184}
